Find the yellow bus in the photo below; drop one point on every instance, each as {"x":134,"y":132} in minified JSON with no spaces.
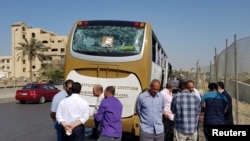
{"x":125,"y":54}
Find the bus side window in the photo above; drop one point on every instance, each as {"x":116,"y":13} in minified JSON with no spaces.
{"x":159,"y":56}
{"x":164,"y":60}
{"x":154,"y":48}
{"x":153,"y":53}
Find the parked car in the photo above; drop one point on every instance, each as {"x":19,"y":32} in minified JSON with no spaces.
{"x":40,"y":92}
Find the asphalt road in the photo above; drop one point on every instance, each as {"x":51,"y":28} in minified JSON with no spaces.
{"x":26,"y":122}
{"x":30,"y":122}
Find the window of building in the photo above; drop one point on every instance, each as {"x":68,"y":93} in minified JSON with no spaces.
{"x":33,"y":35}
{"x":23,"y":28}
{"x":33,"y":67}
{"x":45,"y":41}
{"x":62,"y":50}
{"x":24,"y":36}
{"x":8,"y":60}
{"x":8,"y":67}
{"x":54,"y":49}
{"x":24,"y":69}
{"x":23,"y":61}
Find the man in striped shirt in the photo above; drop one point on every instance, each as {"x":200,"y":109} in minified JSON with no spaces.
{"x":186,"y":107}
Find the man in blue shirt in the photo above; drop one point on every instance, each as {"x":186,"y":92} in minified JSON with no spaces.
{"x":55,"y":102}
{"x":215,"y":106}
{"x":109,"y":115}
{"x":186,"y":107}
{"x":150,"y":108}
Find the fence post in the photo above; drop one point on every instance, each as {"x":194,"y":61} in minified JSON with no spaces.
{"x":236,"y":78}
{"x":210,"y":79}
{"x":226,"y":58}
{"x":216,"y":66}
{"x":196,"y":74}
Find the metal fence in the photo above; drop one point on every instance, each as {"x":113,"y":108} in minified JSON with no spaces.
{"x":232,"y":66}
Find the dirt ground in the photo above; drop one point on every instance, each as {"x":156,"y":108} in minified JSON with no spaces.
{"x":243,"y":115}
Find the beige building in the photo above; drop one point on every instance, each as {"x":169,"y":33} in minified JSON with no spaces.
{"x":5,"y":66}
{"x":19,"y":68}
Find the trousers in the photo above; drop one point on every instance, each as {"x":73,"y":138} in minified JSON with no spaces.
{"x":59,"y":130}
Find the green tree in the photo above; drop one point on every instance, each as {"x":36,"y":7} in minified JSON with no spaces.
{"x":31,"y":49}
{"x":52,"y":71}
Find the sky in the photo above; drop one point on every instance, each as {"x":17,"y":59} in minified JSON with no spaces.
{"x":189,"y":30}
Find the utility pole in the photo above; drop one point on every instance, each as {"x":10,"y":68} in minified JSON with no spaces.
{"x":236,"y":79}
{"x":196,"y":76}
{"x":226,"y":58}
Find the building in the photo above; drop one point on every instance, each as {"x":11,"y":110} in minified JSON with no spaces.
{"x":5,"y":66}
{"x":19,"y":69}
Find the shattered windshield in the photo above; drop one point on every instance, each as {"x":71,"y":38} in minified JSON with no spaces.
{"x":108,"y":40}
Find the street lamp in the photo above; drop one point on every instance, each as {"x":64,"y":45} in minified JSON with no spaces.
{"x":14,"y":57}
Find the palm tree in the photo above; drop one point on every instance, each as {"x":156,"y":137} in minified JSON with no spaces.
{"x":31,"y":49}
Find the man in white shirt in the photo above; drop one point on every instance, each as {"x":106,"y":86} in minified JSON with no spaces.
{"x":72,"y":113}
{"x":192,"y":89}
{"x":97,"y":92}
{"x":55,"y":102}
{"x":168,"y":116}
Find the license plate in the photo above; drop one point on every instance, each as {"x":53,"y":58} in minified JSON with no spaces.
{"x":24,"y":93}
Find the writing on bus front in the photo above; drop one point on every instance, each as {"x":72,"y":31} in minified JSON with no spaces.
{"x":117,"y":94}
{"x":117,"y":87}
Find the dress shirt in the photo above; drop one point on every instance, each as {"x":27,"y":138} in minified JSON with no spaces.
{"x":57,"y":98}
{"x":98,"y":102}
{"x":73,"y":108}
{"x":150,"y":110}
{"x":186,"y":108}
{"x":109,"y":115}
{"x":168,"y":100}
{"x":197,"y":93}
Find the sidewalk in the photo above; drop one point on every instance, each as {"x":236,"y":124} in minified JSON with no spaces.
{"x":7,"y":94}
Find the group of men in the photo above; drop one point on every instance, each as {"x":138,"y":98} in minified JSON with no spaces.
{"x":70,"y":112}
{"x":162,"y":115}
